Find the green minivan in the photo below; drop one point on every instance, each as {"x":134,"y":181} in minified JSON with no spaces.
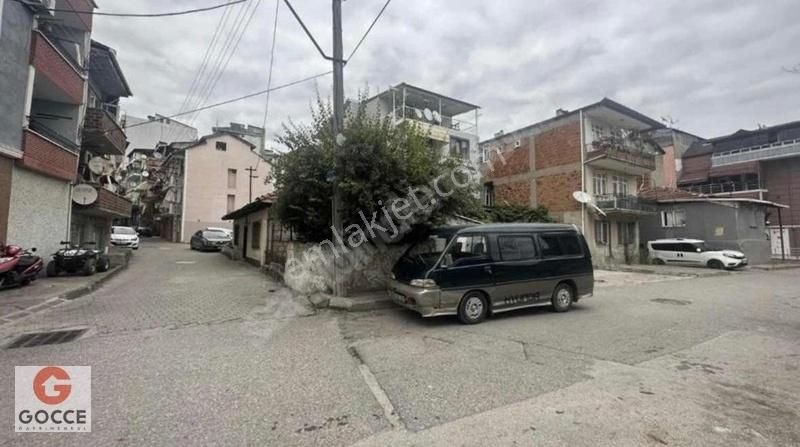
{"x":480,"y":270}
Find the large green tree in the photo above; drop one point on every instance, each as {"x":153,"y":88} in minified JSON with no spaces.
{"x":377,"y":161}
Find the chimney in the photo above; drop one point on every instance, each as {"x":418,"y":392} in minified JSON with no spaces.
{"x":560,"y":112}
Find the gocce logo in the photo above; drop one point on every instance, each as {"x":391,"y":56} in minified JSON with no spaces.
{"x":52,"y":385}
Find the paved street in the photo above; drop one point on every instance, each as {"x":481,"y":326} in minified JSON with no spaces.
{"x":190,"y":348}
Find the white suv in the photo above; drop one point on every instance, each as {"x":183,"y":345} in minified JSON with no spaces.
{"x":693,"y":252}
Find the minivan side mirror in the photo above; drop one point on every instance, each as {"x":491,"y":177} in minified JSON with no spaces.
{"x":447,"y":261}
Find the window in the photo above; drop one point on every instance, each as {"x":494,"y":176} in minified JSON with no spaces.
{"x":231,"y":178}
{"x":255,"y":235}
{"x":468,"y":250}
{"x":626,"y":232}
{"x":601,"y":232}
{"x":222,"y":146}
{"x":600,"y":181}
{"x":673,"y":218}
{"x":619,"y":184}
{"x":488,"y":194}
{"x":459,"y":148}
{"x":598,"y":131}
{"x":231,"y":202}
{"x":550,"y":246}
{"x":236,"y":234}
{"x":516,"y":248}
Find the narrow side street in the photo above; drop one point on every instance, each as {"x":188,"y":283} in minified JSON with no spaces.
{"x":190,"y":348}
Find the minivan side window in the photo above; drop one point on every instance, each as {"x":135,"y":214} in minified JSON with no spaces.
{"x":468,"y":250}
{"x":570,"y":244}
{"x":516,"y":248}
{"x":559,"y":244}
{"x":666,"y":247}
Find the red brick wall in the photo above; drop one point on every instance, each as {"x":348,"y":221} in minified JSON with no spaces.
{"x":109,"y":201}
{"x":42,"y":155}
{"x":510,"y":162}
{"x":50,"y":64}
{"x":559,"y":146}
{"x":555,"y":191}
{"x":6,"y":165}
{"x":515,"y":193}
{"x":695,"y":168}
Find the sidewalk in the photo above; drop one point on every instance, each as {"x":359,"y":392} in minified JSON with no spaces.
{"x":44,"y":293}
{"x":667,"y":270}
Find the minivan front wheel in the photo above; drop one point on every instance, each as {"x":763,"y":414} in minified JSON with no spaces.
{"x":473,"y":308}
{"x":563,"y":297}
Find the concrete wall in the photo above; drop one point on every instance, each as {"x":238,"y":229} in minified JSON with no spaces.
{"x":15,"y":35}
{"x":206,"y":192}
{"x":255,"y":255}
{"x":39,"y":211}
{"x":721,"y":225}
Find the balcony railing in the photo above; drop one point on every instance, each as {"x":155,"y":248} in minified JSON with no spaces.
{"x":52,"y":134}
{"x":724,"y":187}
{"x":632,"y":152}
{"x":623,"y":203}
{"x":444,"y":121}
{"x":59,"y":71}
{"x":102,"y":134}
{"x":780,"y":149}
{"x":46,"y":154}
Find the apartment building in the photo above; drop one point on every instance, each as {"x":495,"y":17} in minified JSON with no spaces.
{"x":44,"y":49}
{"x":762,"y":164}
{"x":207,"y":179}
{"x":603,"y":149}
{"x":145,"y":134}
{"x":448,"y":122}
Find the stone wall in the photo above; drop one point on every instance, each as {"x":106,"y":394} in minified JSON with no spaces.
{"x":309,"y":268}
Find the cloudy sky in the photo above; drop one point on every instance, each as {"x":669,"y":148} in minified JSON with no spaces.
{"x":713,"y":66}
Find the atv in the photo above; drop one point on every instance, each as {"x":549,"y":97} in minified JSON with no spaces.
{"x":78,"y":259}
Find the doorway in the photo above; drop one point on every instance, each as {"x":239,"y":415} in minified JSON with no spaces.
{"x":244,"y":241}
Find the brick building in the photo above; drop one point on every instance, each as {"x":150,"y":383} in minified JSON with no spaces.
{"x":759,"y":164}
{"x":603,"y":149}
{"x":43,"y":77}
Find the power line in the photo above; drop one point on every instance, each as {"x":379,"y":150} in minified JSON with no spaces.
{"x":269,"y":76}
{"x":122,"y":14}
{"x":240,"y":98}
{"x":380,"y":13}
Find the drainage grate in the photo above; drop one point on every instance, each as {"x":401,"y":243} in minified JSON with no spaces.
{"x":45,"y":338}
{"x":671,"y":301}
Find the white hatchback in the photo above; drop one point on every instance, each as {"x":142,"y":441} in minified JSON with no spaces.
{"x":693,"y":252}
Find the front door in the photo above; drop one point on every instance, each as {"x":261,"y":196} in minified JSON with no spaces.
{"x":468,"y":266}
{"x":244,"y":242}
{"x":775,"y":243}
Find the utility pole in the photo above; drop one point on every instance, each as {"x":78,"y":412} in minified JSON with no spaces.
{"x":250,"y":172}
{"x":338,"y":126}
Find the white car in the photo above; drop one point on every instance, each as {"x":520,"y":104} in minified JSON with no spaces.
{"x":693,"y":252}
{"x":227,"y":231}
{"x":124,"y":237}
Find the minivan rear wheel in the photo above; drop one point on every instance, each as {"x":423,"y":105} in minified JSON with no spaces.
{"x":473,"y":308}
{"x":563,"y":297}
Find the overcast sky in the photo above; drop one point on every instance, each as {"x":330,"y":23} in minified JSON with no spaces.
{"x":714,"y":66}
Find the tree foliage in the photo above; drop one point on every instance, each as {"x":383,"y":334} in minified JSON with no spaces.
{"x":377,"y":161}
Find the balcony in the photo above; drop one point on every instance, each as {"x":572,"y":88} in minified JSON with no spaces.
{"x":108,"y":204}
{"x":622,"y":155}
{"x":772,"y":151}
{"x":102,"y":134}
{"x":57,"y":78}
{"x":724,"y":187}
{"x":623,"y":205}
{"x":46,"y":152}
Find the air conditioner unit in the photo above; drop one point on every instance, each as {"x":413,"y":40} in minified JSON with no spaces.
{"x":517,"y":143}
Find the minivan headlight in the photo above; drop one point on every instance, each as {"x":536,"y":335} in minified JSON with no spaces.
{"x":426,"y":283}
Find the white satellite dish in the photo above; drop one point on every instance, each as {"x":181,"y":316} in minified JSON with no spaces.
{"x":97,"y":165}
{"x":158,"y":155}
{"x":437,"y":116}
{"x":586,"y":198}
{"x":84,"y":194}
{"x":418,"y":113}
{"x":145,"y":174}
{"x":428,"y":114}
{"x":118,"y":177}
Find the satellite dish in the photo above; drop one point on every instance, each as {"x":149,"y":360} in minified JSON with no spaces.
{"x":108,"y":167}
{"x":418,"y":113}
{"x":428,"y":114}
{"x":582,"y":197}
{"x":84,"y":194}
{"x":158,"y":155}
{"x":145,"y":174}
{"x":437,"y":116}
{"x":97,"y":165}
{"x":118,"y":177}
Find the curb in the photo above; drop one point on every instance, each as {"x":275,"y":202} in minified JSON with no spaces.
{"x":649,"y":271}
{"x":769,"y":268}
{"x":326,"y":301}
{"x":61,"y":298}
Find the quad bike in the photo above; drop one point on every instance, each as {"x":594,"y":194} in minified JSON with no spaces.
{"x":78,"y":259}
{"x":18,"y":266}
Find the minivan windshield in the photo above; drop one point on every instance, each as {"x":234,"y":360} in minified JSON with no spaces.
{"x":428,"y":250}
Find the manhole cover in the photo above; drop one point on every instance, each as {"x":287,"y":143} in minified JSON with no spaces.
{"x":671,"y":301}
{"x":45,"y":338}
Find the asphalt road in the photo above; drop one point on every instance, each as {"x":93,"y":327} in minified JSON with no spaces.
{"x":190,"y":348}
